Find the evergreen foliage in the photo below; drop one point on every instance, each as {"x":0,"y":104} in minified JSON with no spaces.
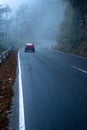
{"x":3,"y":20}
{"x":73,"y":31}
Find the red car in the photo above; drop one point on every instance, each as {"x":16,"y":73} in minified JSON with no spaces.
{"x":29,"y":47}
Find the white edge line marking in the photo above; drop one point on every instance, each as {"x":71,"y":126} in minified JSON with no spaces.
{"x":21,"y":103}
{"x":84,"y":71}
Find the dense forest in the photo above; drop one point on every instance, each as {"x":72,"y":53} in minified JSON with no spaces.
{"x":73,"y":30}
{"x":3,"y":26}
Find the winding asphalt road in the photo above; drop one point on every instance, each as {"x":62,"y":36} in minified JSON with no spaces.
{"x":54,"y":90}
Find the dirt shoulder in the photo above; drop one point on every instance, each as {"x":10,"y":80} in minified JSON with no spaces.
{"x":81,"y":50}
{"x":7,"y":80}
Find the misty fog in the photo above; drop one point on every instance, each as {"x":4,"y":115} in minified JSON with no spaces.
{"x":37,"y":20}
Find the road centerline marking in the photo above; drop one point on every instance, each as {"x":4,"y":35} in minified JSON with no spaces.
{"x":21,"y":102}
{"x":75,"y":67}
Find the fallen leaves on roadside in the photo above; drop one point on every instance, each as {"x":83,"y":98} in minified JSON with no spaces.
{"x":7,"y":79}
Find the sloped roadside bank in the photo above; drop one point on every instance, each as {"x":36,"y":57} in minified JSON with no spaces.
{"x":7,"y":80}
{"x":79,"y":51}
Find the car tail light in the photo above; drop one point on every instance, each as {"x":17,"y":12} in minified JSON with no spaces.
{"x":31,"y":46}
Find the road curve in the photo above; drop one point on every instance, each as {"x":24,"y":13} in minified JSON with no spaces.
{"x":54,"y":89}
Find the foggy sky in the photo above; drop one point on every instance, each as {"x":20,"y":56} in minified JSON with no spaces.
{"x":13,"y":4}
{"x":45,"y":17}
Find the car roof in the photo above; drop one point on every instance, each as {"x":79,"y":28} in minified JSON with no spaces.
{"x":29,"y":43}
